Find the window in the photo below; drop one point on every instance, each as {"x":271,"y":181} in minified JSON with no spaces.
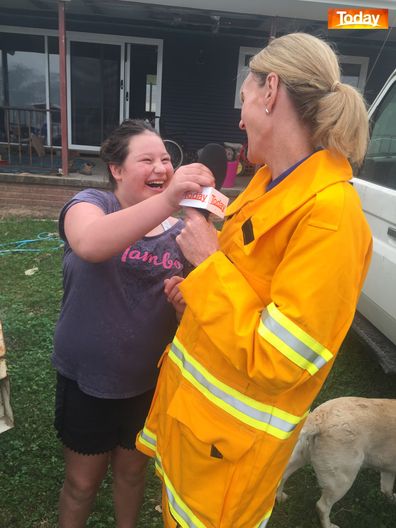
{"x":151,"y":93}
{"x":380,"y":163}
{"x":245,"y":54}
{"x":25,"y":92}
{"x":353,"y":70}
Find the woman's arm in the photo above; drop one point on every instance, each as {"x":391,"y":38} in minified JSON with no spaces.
{"x":313,"y":298}
{"x":95,"y":236}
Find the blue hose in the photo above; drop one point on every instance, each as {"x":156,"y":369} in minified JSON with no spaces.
{"x":18,"y":246}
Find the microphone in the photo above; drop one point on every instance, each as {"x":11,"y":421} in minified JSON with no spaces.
{"x":210,"y":199}
{"x":214,"y":157}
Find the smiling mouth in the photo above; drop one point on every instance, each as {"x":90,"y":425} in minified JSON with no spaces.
{"x":155,"y":184}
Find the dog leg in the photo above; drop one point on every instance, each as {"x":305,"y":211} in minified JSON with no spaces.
{"x":387,"y":482}
{"x":297,"y":460}
{"x":334,"y":484}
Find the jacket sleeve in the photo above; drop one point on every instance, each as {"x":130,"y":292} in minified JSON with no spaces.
{"x":314,"y":292}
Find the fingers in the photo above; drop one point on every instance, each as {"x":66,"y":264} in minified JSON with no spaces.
{"x":196,"y":173}
{"x":198,"y":239}
{"x":187,"y":178}
{"x":171,"y":288}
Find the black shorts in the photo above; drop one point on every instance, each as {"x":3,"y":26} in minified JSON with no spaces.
{"x":90,"y":425}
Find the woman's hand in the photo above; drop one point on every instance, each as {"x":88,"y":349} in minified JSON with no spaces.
{"x":174,"y":295}
{"x":187,"y":178}
{"x":198,"y":239}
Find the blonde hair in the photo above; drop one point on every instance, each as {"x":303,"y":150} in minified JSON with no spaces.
{"x":308,"y":67}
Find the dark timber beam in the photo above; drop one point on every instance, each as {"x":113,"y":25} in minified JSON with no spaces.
{"x":63,"y":92}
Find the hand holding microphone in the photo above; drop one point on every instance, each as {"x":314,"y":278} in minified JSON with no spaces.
{"x":198,"y":239}
{"x":210,"y":199}
{"x":187,"y":178}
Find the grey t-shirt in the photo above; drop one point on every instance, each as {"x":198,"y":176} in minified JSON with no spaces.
{"x":115,"y":320}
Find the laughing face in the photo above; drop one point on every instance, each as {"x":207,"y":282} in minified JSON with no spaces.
{"x":146,"y":171}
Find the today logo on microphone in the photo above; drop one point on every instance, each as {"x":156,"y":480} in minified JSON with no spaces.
{"x":344,"y":18}
{"x":210,"y":199}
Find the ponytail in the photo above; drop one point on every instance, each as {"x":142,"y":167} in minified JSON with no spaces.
{"x":308,"y":67}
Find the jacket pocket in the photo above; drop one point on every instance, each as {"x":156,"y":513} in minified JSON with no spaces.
{"x":205,"y":448}
{"x":208,"y":424}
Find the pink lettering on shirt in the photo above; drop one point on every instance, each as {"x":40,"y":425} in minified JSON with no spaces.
{"x":165,"y":261}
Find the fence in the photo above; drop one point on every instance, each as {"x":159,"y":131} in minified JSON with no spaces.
{"x":29,"y":136}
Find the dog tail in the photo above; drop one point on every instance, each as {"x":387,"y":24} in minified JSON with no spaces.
{"x":316,"y":421}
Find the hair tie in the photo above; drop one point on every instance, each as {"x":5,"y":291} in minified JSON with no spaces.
{"x":334,"y":86}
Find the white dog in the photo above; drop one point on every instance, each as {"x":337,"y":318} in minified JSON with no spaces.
{"x":338,"y":438}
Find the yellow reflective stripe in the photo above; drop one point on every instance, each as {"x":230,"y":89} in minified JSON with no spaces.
{"x":180,"y":511}
{"x":264,"y":417}
{"x":147,"y":438}
{"x":299,"y":332}
{"x":293,"y":342}
{"x":264,"y":521}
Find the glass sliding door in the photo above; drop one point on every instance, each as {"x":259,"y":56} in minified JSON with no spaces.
{"x":142,"y":90}
{"x":95,"y":77}
{"x":23,"y":86}
{"x":23,"y":69}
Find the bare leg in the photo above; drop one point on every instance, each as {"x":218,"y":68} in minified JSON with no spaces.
{"x":84,"y":474}
{"x":129,"y":472}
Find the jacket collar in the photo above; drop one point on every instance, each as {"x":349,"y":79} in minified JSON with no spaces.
{"x":319,"y":171}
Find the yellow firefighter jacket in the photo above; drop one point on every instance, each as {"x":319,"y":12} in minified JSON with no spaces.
{"x":265,"y":317}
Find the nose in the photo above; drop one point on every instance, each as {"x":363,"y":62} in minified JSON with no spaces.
{"x":242,"y":125}
{"x":159,"y":167}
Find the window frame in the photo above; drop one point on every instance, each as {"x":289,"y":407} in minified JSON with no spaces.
{"x":242,"y":70}
{"x":363,"y":61}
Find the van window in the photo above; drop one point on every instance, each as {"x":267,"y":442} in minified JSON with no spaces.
{"x":380,"y":163}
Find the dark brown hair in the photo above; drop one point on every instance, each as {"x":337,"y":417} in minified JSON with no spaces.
{"x":115,"y":148}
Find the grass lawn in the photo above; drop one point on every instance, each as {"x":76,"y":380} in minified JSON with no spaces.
{"x":31,"y":467}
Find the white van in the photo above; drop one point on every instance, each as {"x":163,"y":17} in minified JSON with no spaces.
{"x":376,"y":185}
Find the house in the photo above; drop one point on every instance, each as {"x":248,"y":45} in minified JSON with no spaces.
{"x":179,"y":63}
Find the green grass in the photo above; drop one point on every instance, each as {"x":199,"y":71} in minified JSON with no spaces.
{"x":31,"y":466}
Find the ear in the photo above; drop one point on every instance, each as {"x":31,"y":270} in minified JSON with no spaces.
{"x":272,"y":84}
{"x":116,"y":171}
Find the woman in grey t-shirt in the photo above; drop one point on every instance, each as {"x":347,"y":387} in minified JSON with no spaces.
{"x":115,"y":319}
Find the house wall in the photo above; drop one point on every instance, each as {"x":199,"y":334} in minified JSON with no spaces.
{"x":199,"y":73}
{"x":383,"y":67}
{"x":199,"y":78}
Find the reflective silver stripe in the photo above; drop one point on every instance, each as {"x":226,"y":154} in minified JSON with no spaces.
{"x":293,"y":342}
{"x":265,"y":418}
{"x":176,"y":504}
{"x":263,"y":523}
{"x":183,"y":517}
{"x":148,"y":438}
{"x":180,"y":512}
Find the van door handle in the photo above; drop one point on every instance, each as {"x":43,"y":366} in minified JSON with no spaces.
{"x":392,"y":232}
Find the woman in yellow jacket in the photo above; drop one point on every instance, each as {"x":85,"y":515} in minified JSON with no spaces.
{"x":270,"y":299}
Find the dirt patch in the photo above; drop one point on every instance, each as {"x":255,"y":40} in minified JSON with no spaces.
{"x":30,"y":212}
